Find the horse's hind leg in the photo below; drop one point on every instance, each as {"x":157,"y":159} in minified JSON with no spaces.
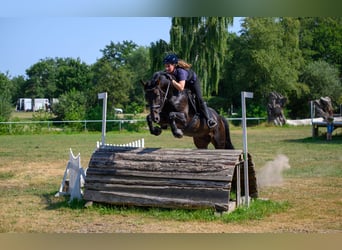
{"x":221,"y":136}
{"x":202,"y":142}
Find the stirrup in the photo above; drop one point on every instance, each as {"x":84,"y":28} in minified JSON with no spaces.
{"x":211,"y":123}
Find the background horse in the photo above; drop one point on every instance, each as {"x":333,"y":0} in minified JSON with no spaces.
{"x":168,"y":107}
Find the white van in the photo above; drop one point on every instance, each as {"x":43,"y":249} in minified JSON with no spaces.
{"x":41,"y":104}
{"x":24,"y":104}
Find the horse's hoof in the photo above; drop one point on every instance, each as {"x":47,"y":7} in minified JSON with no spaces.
{"x":178,"y":134}
{"x":156,"y":131}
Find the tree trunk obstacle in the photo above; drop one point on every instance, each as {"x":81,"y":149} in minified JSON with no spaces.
{"x":275,"y":106}
{"x":169,"y":178}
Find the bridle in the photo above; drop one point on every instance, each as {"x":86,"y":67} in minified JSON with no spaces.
{"x":164,"y":94}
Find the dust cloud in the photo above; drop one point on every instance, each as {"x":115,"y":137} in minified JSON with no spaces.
{"x":272,"y":173}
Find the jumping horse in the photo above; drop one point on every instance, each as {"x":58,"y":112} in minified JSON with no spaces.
{"x":168,"y":107}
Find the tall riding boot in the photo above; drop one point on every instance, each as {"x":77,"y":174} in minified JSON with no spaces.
{"x":210,"y":121}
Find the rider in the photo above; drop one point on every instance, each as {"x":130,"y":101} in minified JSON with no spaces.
{"x":186,"y":78}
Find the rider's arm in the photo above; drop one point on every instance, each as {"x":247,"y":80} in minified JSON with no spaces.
{"x":182,"y":76}
{"x":179,"y":85}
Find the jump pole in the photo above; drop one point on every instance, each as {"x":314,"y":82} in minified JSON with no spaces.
{"x":245,"y":95}
{"x":103,"y":96}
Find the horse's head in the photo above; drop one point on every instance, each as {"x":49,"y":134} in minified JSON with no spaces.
{"x":156,"y":93}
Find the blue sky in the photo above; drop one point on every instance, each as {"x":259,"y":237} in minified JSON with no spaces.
{"x":26,"y":40}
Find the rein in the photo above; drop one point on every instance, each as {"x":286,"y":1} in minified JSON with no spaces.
{"x":166,"y":93}
{"x":165,"y":96}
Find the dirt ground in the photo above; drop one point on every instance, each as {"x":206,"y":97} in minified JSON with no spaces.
{"x":315,"y":207}
{"x":29,"y":180}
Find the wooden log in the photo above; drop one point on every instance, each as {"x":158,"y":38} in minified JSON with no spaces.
{"x":162,"y":177}
{"x":118,"y":198}
{"x":131,"y":180}
{"x":199,"y":193}
{"x":220,"y":176}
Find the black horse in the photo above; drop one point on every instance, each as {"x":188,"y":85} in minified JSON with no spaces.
{"x":179,"y":111}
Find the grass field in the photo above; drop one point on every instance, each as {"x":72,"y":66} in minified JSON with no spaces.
{"x":32,"y":167}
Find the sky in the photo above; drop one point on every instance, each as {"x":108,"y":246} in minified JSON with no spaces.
{"x":26,"y":40}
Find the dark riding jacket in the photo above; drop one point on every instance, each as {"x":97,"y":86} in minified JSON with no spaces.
{"x":188,"y":75}
{"x":191,"y":82}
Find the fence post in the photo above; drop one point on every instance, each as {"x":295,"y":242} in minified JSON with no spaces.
{"x":104,"y":115}
{"x":245,"y":95}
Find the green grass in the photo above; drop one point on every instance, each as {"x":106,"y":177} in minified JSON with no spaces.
{"x":315,"y":164}
{"x":257,"y":210}
{"x":6,"y":175}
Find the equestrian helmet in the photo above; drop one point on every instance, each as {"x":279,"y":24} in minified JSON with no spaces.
{"x":170,"y":59}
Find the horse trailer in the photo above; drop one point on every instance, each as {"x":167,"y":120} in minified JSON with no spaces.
{"x":40,"y":104}
{"x":24,"y":104}
{"x":36,"y":104}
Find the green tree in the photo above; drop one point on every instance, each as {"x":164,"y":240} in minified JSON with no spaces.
{"x":6,"y":88}
{"x":71,"y":107}
{"x":41,"y":80}
{"x":317,"y":79}
{"x":158,"y":51}
{"x":71,"y":74}
{"x":19,"y":83}
{"x":321,"y":39}
{"x":117,"y":82}
{"x":323,"y":80}
{"x":117,"y":53}
{"x":50,"y":78}
{"x":139,"y":66}
{"x":235,"y":70}
{"x":118,"y":72}
{"x":266,"y":57}
{"x":202,"y":41}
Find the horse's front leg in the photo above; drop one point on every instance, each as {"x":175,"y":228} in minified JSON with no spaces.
{"x":180,"y":117}
{"x":153,"y":130}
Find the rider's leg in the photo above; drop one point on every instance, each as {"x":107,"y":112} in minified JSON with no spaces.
{"x":203,"y":106}
{"x":210,"y":121}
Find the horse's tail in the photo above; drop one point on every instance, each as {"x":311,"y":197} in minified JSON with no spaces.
{"x":228,"y":142}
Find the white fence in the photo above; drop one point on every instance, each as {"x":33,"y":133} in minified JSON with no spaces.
{"x":134,"y":144}
{"x":58,"y":125}
{"x":50,"y":124}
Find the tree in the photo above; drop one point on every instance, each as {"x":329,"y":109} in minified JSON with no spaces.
{"x":202,"y":41}
{"x":41,"y":80}
{"x":321,"y":39}
{"x":118,"y":72}
{"x":71,"y":107}
{"x":5,"y":97}
{"x":71,"y":74}
{"x":158,"y":51}
{"x":323,"y":80}
{"x":117,"y":53}
{"x":117,"y":82}
{"x":50,"y":78}
{"x":266,"y":57}
{"x":19,"y":83}
{"x":139,"y":64}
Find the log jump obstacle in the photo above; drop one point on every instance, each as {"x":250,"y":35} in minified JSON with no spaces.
{"x":169,"y":178}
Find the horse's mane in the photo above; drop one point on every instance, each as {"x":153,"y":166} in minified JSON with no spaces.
{"x":157,"y":74}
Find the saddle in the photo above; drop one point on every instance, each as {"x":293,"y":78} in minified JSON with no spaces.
{"x":194,"y":105}
{"x":192,"y":100}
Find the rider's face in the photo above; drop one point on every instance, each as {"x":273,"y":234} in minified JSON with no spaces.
{"x":169,"y":67}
